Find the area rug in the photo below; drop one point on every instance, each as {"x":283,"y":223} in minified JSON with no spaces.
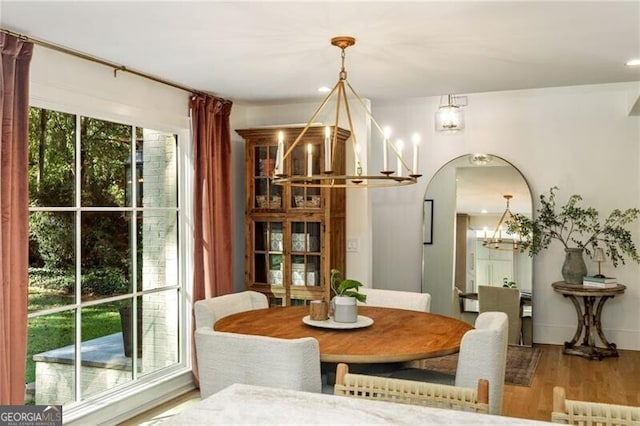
{"x":521,"y":364}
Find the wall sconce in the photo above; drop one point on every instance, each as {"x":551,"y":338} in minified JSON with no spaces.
{"x":450,"y":117}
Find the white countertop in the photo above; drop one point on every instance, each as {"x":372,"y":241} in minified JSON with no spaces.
{"x":247,"y":404}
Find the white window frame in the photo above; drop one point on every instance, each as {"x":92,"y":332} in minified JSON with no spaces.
{"x":80,"y":99}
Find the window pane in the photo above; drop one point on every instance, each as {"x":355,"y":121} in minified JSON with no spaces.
{"x":157,"y":169}
{"x":105,"y":150}
{"x":51,"y":158}
{"x":51,"y":259}
{"x":104,"y":363}
{"x":105,"y":254}
{"x":158,"y":249}
{"x":50,"y":373}
{"x":160,"y":326}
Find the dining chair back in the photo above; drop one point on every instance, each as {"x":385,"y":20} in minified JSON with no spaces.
{"x":208,"y":311}
{"x":412,"y":392}
{"x":503,"y":299}
{"x":228,"y":358}
{"x":397,"y":299}
{"x":483,"y":355}
{"x":575,"y":412}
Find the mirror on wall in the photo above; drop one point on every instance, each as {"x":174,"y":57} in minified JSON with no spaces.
{"x":463,"y":204}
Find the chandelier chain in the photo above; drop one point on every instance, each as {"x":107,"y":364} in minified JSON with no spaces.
{"x":343,"y":70}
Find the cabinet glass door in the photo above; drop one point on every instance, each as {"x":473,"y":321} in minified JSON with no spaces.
{"x":268,"y":254}
{"x":305,"y":254}
{"x":267,"y":195}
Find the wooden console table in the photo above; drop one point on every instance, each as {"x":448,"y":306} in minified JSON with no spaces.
{"x":589,"y":320}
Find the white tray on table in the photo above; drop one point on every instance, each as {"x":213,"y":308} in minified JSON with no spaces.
{"x":330,"y":323}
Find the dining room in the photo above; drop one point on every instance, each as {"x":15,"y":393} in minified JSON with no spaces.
{"x":113,"y":200}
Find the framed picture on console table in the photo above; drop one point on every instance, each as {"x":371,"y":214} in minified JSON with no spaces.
{"x":427,"y":221}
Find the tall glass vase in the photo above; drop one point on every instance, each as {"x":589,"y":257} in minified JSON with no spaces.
{"x":574,"y":269}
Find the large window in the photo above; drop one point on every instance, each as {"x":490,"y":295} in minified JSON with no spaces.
{"x":104,"y":286}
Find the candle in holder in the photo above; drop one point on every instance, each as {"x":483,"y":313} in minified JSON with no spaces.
{"x":327,"y":149}
{"x":309,"y":160}
{"x":416,"y":141}
{"x":399,"y":147}
{"x":385,"y":155}
{"x":280,"y":154}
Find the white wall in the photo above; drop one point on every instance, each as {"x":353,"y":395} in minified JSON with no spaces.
{"x":66,"y":83}
{"x":580,"y":139}
{"x":238,"y":121}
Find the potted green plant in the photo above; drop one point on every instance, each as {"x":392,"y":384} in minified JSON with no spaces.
{"x":579,"y":230}
{"x":508,"y":284}
{"x":344,"y":303}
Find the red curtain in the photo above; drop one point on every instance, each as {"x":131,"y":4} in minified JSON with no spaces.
{"x":14,"y":210}
{"x":213,"y":273}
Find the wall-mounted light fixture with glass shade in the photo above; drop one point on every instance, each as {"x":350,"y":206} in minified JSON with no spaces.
{"x":450,"y":117}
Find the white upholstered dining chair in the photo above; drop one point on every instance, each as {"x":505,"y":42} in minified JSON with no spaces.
{"x":228,"y":358}
{"x":397,"y":299}
{"x":208,"y":311}
{"x":483,"y":355}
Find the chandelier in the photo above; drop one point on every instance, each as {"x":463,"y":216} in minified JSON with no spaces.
{"x":401,"y":175}
{"x":497,"y":242}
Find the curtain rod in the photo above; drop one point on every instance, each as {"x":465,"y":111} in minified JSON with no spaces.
{"x":116,"y":67}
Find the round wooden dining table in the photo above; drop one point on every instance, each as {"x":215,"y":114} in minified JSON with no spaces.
{"x":396,"y":335}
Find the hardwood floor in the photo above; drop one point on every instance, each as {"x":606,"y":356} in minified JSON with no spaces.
{"x":612,"y":380}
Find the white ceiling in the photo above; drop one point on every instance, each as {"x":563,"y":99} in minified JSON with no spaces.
{"x":280,"y":51}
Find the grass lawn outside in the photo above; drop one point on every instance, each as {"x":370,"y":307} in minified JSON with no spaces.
{"x":57,"y":330}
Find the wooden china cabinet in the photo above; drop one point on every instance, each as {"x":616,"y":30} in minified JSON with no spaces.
{"x":294,"y":236}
